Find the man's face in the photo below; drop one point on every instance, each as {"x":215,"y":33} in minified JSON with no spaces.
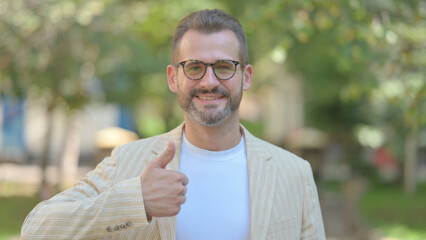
{"x":209,"y":101}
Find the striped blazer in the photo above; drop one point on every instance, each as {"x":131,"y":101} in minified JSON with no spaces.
{"x":108,"y":203}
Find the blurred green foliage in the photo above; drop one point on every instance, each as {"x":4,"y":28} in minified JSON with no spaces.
{"x":13,"y":211}
{"x":394,"y":213}
{"x":363,"y":62}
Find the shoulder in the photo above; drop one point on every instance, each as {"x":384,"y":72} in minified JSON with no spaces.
{"x":143,"y":142}
{"x":281,"y":158}
{"x":131,"y":158}
{"x":155,"y":143}
{"x":290,"y":167}
{"x":280,"y":154}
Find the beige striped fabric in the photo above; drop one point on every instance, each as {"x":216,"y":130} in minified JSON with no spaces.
{"x":108,"y":203}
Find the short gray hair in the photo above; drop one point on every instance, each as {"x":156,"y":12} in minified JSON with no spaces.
{"x":211,"y":21}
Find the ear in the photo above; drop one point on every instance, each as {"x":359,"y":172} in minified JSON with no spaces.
{"x":248,"y":75}
{"x":171,"y":78}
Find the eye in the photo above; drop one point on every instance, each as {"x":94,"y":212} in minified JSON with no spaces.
{"x":224,"y":66}
{"x":194,"y":67}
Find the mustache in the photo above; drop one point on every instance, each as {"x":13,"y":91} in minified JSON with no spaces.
{"x":219,"y":90}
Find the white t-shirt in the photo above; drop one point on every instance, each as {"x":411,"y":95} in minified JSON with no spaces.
{"x":217,"y":200}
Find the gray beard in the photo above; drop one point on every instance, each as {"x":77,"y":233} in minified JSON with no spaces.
{"x":211,"y":118}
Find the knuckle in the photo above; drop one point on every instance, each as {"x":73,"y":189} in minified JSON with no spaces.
{"x":178,"y":177}
{"x":181,"y":189}
{"x":183,"y":200}
{"x":175,"y":210}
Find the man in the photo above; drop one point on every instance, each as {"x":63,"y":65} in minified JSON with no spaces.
{"x":234,"y":185}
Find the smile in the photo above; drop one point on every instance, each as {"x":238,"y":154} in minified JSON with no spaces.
{"x":208,"y":98}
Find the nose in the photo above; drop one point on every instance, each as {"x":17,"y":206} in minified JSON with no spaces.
{"x":209,"y":80}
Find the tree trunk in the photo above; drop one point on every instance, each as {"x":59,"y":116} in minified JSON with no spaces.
{"x":69,"y":161}
{"x":410,"y":164}
{"x":44,"y":191}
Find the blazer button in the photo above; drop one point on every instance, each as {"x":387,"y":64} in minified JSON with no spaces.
{"x":123,"y":225}
{"x":109,"y":229}
{"x":129,"y":223}
{"x":117,"y":227}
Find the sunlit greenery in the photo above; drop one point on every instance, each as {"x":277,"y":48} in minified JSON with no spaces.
{"x":351,"y":54}
{"x":394,"y":213}
{"x":362,"y":62}
{"x":13,"y":212}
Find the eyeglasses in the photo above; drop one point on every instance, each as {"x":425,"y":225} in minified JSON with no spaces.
{"x":222,"y":69}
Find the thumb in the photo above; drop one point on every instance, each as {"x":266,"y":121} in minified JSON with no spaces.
{"x":166,"y":157}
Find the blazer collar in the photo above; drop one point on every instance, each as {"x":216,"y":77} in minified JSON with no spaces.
{"x":262,"y":177}
{"x":262,"y":180}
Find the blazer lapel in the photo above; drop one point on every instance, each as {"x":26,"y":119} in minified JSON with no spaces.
{"x":167,"y":225}
{"x":262,"y":180}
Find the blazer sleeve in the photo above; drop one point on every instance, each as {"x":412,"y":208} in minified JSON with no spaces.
{"x":94,"y":207}
{"x":312,"y":223}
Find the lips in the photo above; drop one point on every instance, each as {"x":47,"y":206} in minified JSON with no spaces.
{"x":209,"y":98}
{"x":210,"y":95}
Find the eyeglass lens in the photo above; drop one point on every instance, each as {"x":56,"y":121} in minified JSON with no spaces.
{"x":223,"y":69}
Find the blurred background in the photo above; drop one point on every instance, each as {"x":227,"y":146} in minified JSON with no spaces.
{"x":341,"y":83}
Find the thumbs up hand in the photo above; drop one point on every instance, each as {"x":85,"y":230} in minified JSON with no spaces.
{"x":163,"y":190}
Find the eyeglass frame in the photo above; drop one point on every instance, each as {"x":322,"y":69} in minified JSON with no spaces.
{"x":206,"y":65}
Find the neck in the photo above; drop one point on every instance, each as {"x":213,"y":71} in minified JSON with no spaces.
{"x":217,"y":138}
